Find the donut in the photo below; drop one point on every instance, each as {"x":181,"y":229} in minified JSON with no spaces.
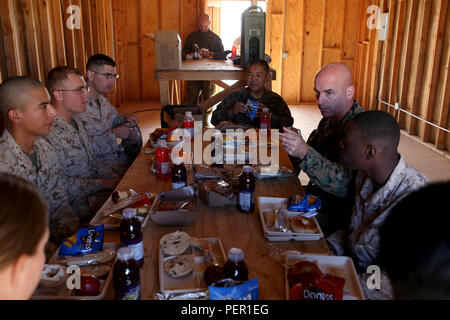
{"x":52,"y":276}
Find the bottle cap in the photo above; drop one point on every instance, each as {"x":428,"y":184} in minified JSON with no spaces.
{"x":162,"y":143}
{"x":129,"y":213}
{"x":236,"y":254}
{"x":188,"y":114}
{"x":125,"y":254}
{"x":265,"y":109}
{"x":247,"y":169}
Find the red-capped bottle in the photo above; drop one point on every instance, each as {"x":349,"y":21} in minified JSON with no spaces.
{"x":126,"y":276}
{"x":162,"y":161}
{"x":235,"y":267}
{"x":131,"y":235}
{"x":247,"y":184}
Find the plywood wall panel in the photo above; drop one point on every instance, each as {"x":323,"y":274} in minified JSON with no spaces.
{"x":149,"y":14}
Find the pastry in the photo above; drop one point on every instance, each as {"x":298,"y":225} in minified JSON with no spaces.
{"x":179,"y":266}
{"x":52,"y":276}
{"x":175,"y":243}
{"x":301,"y":224}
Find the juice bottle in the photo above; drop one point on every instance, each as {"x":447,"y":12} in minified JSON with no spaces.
{"x":235,"y":267}
{"x":233,"y":52}
{"x":246,"y":197}
{"x":213,"y":271}
{"x":179,"y":177}
{"x":130,"y":234}
{"x":162,"y":161}
{"x":265,"y":120}
{"x":188,"y":125}
{"x":126,"y":277}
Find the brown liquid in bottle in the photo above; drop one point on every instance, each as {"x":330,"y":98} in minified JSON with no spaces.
{"x":235,"y":267}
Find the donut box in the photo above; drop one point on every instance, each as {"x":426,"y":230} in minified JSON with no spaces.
{"x":267,"y":207}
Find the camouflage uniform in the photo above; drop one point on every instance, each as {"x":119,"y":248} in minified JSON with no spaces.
{"x":371,"y":208}
{"x":99,"y":120}
{"x":328,"y":177}
{"x":281,"y":115}
{"x":82,"y":169}
{"x":49,"y":179}
{"x":208,"y":40}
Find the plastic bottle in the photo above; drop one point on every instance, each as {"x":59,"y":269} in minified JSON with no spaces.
{"x":233,"y":52}
{"x":130,"y":234}
{"x":126,"y":276}
{"x":213,"y":271}
{"x":235,"y":267}
{"x":162,"y":161}
{"x":188,"y":125}
{"x":196,"y":54}
{"x":246,"y":198}
{"x":265,"y":120}
{"x":179,"y":177}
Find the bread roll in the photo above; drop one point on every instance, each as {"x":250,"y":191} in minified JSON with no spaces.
{"x":174,"y":244}
{"x":179,"y":266}
{"x":301,"y":224}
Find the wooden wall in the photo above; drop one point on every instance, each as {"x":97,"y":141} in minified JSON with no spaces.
{"x":410,"y":67}
{"x":35,"y":36}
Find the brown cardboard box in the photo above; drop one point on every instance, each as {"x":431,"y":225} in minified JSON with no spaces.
{"x":223,"y":196}
{"x":168,"y":49}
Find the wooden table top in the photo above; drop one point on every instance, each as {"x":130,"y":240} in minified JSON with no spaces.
{"x":235,"y":229}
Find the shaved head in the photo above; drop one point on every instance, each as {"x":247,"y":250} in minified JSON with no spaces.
{"x":203,"y":22}
{"x":338,"y":70}
{"x":14,"y":93}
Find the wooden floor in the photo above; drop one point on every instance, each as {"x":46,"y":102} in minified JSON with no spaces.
{"x":435,"y":165}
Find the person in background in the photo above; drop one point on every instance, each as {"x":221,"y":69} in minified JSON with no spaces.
{"x":25,"y":104}
{"x":102,"y":122}
{"x":320,"y":156}
{"x":205,"y":39}
{"x":415,"y":245}
{"x":383,"y":179}
{"x":23,"y":236}
{"x":85,"y":173}
{"x":233,"y":108}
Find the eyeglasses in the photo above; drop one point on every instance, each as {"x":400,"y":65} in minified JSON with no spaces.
{"x":80,"y":90}
{"x":107,"y":75}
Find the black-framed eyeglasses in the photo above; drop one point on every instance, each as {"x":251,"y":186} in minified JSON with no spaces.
{"x":107,"y":75}
{"x":79,"y":90}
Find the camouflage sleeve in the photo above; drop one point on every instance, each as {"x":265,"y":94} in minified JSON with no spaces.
{"x":222,"y":112}
{"x":82,"y":187}
{"x":329,"y":176}
{"x":282,"y":116}
{"x":217,"y":45}
{"x":103,"y":170}
{"x":104,"y":143}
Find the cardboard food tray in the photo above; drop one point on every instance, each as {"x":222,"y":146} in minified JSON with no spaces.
{"x":179,"y":217}
{"x":271,"y":235}
{"x":193,"y":281}
{"x":111,"y":223}
{"x":338,"y":266}
{"x":64,"y":293}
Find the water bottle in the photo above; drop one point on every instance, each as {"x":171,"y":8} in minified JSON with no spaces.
{"x":196,"y":54}
{"x":126,"y":277}
{"x":246,"y":197}
{"x":188,"y":125}
{"x":265,"y":120}
{"x":162,"y":161}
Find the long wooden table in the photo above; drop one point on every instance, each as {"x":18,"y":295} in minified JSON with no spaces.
{"x":235,"y":229}
{"x":204,"y":69}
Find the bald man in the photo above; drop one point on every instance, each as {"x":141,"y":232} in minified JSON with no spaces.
{"x":206,"y":39}
{"x":25,"y":106}
{"x":319,"y":157}
{"x":383,"y":179}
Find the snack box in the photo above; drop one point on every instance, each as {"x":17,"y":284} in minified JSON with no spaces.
{"x":339,"y":266}
{"x":271,"y":203}
{"x":193,"y":281}
{"x":213,"y":198}
{"x":110,"y":213}
{"x":176,"y":217}
{"x":63,"y":292}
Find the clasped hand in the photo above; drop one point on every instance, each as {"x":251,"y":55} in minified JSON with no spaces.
{"x":293,"y":143}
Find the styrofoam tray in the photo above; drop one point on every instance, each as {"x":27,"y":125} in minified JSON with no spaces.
{"x":64,"y":293}
{"x":193,"y":281}
{"x":111,"y":223}
{"x":273,"y":235}
{"x":339,"y":266}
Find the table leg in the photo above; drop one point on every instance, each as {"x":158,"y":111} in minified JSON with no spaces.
{"x":164,"y":93}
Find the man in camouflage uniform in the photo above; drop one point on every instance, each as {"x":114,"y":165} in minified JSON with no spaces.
{"x":101,"y":120}
{"x":233,"y":107}
{"x":206,"y":39}
{"x":85,"y":173}
{"x":25,"y":104}
{"x":320,"y":156}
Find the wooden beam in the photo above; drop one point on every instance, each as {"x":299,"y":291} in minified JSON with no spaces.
{"x":33,"y":40}
{"x":58,"y":29}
